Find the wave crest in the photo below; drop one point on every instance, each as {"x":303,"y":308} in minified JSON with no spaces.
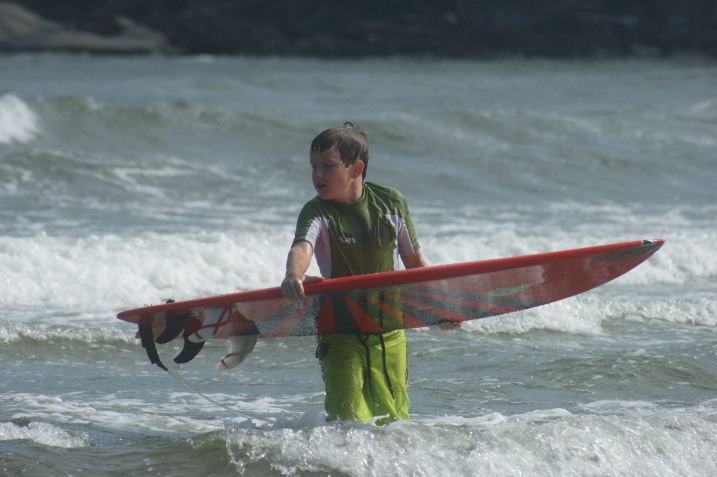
{"x":18,"y":123}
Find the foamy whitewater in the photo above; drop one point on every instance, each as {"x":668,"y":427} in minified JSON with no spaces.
{"x":127,"y":181}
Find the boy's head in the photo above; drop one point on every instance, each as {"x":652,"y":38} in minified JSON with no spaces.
{"x":350,"y":142}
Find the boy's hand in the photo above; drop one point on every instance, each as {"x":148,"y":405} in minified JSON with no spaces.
{"x":296,"y":265}
{"x":293,"y":287}
{"x":449,"y":325}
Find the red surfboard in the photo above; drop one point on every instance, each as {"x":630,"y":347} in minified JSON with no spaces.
{"x":382,"y":302}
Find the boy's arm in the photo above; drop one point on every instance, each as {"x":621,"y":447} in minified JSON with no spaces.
{"x":414,"y":260}
{"x":297,"y":263}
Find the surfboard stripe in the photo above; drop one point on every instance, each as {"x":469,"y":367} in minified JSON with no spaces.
{"x":386,"y":304}
{"x":482,"y":305}
{"x":444,"y":313}
{"x":326,"y":321}
{"x":365,"y":322}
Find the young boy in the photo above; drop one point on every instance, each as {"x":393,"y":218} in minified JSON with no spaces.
{"x":354,"y":227}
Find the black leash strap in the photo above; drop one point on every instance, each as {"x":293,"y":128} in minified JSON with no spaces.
{"x":385,"y":367}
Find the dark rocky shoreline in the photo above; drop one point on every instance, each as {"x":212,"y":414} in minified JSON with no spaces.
{"x":452,"y":28}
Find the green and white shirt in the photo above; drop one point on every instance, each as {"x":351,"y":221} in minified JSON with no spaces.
{"x":365,"y":237}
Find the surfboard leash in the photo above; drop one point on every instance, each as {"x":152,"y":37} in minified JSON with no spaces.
{"x":242,"y":414}
{"x":148,"y":343}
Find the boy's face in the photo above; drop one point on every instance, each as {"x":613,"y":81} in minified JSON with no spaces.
{"x":334,"y":180}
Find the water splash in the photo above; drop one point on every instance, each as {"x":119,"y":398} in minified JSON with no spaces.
{"x":18,"y":123}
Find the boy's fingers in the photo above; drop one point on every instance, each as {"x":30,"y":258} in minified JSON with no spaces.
{"x":292,"y":289}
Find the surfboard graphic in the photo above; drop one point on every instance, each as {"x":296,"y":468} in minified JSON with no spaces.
{"x":388,"y":301}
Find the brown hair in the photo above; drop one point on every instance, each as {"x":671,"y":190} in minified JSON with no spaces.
{"x":350,"y":141}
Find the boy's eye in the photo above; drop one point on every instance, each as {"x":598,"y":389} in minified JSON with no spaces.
{"x":324,"y":167}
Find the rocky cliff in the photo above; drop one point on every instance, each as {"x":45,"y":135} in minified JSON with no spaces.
{"x":463,"y":28}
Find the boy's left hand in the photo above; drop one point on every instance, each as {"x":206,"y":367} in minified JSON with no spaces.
{"x":449,"y":325}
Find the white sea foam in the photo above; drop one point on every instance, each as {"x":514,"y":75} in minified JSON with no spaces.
{"x":177,"y":412}
{"x":112,"y":412}
{"x":56,"y":328}
{"x":632,"y":441}
{"x":18,"y":123}
{"x":698,"y":309}
{"x":43,"y":433}
{"x":104,"y":273}
{"x":110,"y":272}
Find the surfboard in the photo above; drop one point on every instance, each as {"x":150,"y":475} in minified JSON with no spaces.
{"x":382,"y":302}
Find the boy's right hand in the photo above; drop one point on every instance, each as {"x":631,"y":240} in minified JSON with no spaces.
{"x":293,"y":287}
{"x":296,"y":265}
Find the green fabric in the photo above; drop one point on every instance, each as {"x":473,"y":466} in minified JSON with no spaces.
{"x":362,"y":237}
{"x":358,"y":393}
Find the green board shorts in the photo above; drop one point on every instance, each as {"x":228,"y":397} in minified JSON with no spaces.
{"x":365,"y":376}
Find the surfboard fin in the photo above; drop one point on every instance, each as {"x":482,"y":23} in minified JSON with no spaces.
{"x":189,"y":351}
{"x":238,"y":347}
{"x":147,"y":338}
{"x":175,"y":323}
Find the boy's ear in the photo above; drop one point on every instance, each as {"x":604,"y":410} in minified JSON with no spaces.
{"x":358,"y":168}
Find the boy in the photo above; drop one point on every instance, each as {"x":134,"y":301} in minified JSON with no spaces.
{"x":354,"y":227}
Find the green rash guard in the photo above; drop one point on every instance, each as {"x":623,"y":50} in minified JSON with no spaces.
{"x":363,"y":237}
{"x":365,"y":375}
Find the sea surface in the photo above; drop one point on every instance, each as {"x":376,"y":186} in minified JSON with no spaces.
{"x":127,"y":181}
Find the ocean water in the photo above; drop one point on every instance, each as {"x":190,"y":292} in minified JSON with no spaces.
{"x":126,"y":181}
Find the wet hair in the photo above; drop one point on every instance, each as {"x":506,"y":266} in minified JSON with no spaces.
{"x":350,"y":141}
